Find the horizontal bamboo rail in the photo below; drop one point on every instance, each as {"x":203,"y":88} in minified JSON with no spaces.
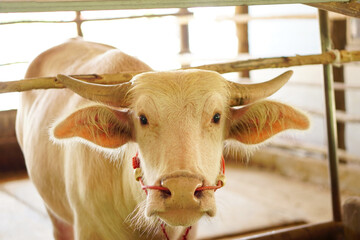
{"x":185,"y":18}
{"x":100,"y":19}
{"x":244,"y":18}
{"x":312,"y":148}
{"x":341,"y":116}
{"x":338,"y":86}
{"x":52,"y":82}
{"x":332,"y":57}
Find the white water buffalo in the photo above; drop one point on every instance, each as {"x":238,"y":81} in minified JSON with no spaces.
{"x":82,"y":144}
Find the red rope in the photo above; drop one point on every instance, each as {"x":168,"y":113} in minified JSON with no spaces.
{"x":146,"y":187}
{"x":186,"y":233}
{"x":184,"y":237}
{"x":136,"y":164}
{"x":164,"y":231}
{"x":219,"y":183}
{"x":136,"y":161}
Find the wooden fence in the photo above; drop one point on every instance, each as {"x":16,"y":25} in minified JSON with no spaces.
{"x":331,"y":57}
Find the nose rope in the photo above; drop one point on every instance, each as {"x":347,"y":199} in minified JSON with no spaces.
{"x":184,"y":237}
{"x":138,"y":177}
{"x":164,"y":231}
{"x":221,"y":179}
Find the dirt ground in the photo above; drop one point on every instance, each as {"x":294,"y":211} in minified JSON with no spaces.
{"x":252,"y":200}
{"x":256,"y":199}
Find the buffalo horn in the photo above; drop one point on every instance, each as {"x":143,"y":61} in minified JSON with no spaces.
{"x":113,"y":95}
{"x":242,"y":94}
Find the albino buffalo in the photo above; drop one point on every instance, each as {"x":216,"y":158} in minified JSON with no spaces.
{"x":139,"y":160}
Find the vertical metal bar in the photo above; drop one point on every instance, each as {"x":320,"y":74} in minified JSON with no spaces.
{"x":330,"y":117}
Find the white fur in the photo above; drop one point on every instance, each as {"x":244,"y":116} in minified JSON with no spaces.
{"x":75,"y":177}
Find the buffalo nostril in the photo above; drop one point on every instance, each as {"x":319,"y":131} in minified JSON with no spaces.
{"x":165,"y":193}
{"x":181,"y":189}
{"x":198,"y":194}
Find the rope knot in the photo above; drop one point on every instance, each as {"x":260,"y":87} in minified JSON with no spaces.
{"x":136,"y":161}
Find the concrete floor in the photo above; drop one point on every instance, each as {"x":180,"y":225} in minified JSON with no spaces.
{"x":252,"y":200}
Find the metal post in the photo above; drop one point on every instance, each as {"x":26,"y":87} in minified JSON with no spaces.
{"x":330,"y":117}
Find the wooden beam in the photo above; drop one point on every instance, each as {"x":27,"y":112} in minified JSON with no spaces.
{"x":11,"y":157}
{"x":351,"y":8}
{"x":320,"y":231}
{"x":242,"y":35}
{"x":78,"y":20}
{"x":81,"y":5}
{"x":338,"y":33}
{"x":184,"y":32}
{"x":352,"y":218}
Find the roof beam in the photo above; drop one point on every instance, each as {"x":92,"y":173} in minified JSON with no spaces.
{"x":351,"y":8}
{"x":81,"y":5}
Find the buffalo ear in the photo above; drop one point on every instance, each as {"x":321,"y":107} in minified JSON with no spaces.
{"x":258,"y":122}
{"x":98,"y":124}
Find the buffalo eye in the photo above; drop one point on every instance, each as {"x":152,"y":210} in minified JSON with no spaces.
{"x":143,"y":120}
{"x":216,"y":118}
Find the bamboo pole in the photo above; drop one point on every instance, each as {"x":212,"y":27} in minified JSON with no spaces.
{"x":311,"y":148}
{"x":280,"y":62}
{"x":341,"y":116}
{"x":245,"y":18}
{"x":52,"y":82}
{"x":186,"y":19}
{"x":242,"y":36}
{"x":237,"y":66}
{"x":78,"y":20}
{"x":337,"y":86}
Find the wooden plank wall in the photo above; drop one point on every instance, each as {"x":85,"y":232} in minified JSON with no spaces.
{"x":11,"y":158}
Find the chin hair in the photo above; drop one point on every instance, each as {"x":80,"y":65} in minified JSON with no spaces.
{"x":146,"y":226}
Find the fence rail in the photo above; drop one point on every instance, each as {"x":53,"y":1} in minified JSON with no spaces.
{"x":178,"y":14}
{"x":237,"y":66}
